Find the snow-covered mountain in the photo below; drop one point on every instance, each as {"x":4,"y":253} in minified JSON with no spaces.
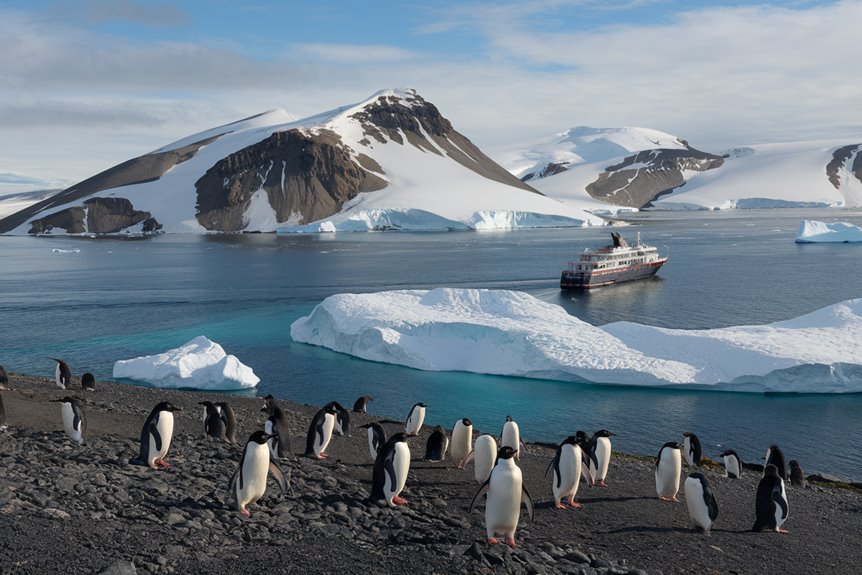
{"x":16,"y":201}
{"x":603,"y":170}
{"x":391,"y":161}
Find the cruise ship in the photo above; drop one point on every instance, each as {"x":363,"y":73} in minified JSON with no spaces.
{"x":616,"y":263}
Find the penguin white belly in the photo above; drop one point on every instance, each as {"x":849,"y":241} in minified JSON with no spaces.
{"x":569,"y":477}
{"x":401,"y":464}
{"x":272,"y":442}
{"x":697,"y":509}
{"x":603,"y":457}
{"x":165,"y":427}
{"x":731,"y":466}
{"x":462,"y":438}
{"x":254,"y":471}
{"x":415,"y":421}
{"x":72,"y":432}
{"x":321,"y":441}
{"x":503,"y":506}
{"x":484,"y":456}
{"x":780,"y":516}
{"x":58,"y":377}
{"x":667,"y":473}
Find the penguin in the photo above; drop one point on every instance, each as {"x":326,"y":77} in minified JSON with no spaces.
{"x":438,"y":443}
{"x":511,"y":436}
{"x":484,"y":455}
{"x":600,"y":456}
{"x":566,"y":464}
{"x":376,"y":438}
{"x":3,"y":424}
{"x":62,"y":374}
{"x":361,"y":404}
{"x":732,"y":464}
{"x":589,"y":461}
{"x":390,"y":471}
{"x":774,"y":456}
{"x":4,"y":378}
{"x":248,"y":482}
{"x":156,"y":436}
{"x":213,"y":423}
{"x":506,"y":491}
{"x":414,"y":419}
{"x":74,"y":421}
{"x":771,"y":507}
{"x":88,"y":382}
{"x":229,"y":418}
{"x":691,"y":449}
{"x":342,"y":419}
{"x":797,"y":478}
{"x":700,"y":500}
{"x":278,"y":425}
{"x":462,"y":441}
{"x":320,"y":432}
{"x":668,"y":466}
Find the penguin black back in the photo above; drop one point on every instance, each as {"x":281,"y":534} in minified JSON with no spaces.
{"x":361,"y":404}
{"x":435,"y":448}
{"x":774,"y":456}
{"x":229,"y":418}
{"x":342,"y":418}
{"x":88,"y":382}
{"x":4,"y":379}
{"x":213,"y":423}
{"x":384,"y":466}
{"x":797,"y":477}
{"x":770,"y":501}
{"x":694,"y":450}
{"x":279,"y":424}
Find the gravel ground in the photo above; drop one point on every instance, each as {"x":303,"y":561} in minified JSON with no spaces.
{"x":65,"y":508}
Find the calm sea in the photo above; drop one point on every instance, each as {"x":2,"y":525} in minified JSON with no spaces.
{"x":96,"y":301}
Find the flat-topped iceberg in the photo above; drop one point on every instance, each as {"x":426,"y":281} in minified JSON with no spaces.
{"x":198,"y":364}
{"x":513,"y":333}
{"x":811,"y":231}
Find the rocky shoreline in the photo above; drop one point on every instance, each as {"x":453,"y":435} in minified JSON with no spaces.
{"x":86,"y":509}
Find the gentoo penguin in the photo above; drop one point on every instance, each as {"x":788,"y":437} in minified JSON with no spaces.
{"x":88,"y":382}
{"x":600,"y":456}
{"x":700,"y":500}
{"x":771,"y":502}
{"x":506,"y":490}
{"x":213,"y":423}
{"x":415,"y":419}
{"x":74,"y":422}
{"x":691,"y":449}
{"x":229,"y":419}
{"x":248,"y":482}
{"x":376,"y":438}
{"x":342,"y":419}
{"x":62,"y":374}
{"x":156,"y":436}
{"x":589,"y":461}
{"x":320,"y":432}
{"x":797,"y":478}
{"x":566,"y":464}
{"x":484,"y":455}
{"x":732,"y":464}
{"x":361,"y":404}
{"x":668,"y":466}
{"x":774,"y":456}
{"x":511,"y":436}
{"x":278,"y":425}
{"x":438,"y":443}
{"x":462,"y":441}
{"x":390,"y":471}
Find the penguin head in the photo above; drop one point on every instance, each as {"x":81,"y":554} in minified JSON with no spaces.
{"x":770,"y":471}
{"x":571,"y":440}
{"x":794,"y":465}
{"x":604,"y":433}
{"x":505,"y":452}
{"x":672,"y":445}
{"x":582,"y":435}
{"x":330,"y":408}
{"x":508,"y":418}
{"x":400,"y":436}
{"x":420,"y":405}
{"x":260,"y":437}
{"x":167,"y":406}
{"x":466,"y":422}
{"x":727,"y":452}
{"x":88,"y":381}
{"x":66,"y":399}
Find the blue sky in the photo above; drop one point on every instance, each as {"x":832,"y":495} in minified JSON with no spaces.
{"x":94,"y":82}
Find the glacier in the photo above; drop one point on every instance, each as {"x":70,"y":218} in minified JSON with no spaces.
{"x":512,"y":333}
{"x":811,"y":231}
{"x":197,"y":364}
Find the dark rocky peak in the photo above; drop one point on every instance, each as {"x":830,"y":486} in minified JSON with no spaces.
{"x":848,"y":157}
{"x":407,"y":112}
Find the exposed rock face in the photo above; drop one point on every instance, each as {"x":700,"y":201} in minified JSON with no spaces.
{"x":643,"y":177}
{"x":99,"y":216}
{"x":551,"y":169}
{"x":305,"y":177}
{"x":845,"y":157}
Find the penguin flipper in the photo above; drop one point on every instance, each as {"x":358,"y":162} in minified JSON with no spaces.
{"x":157,"y":437}
{"x":712,"y":507}
{"x":527,"y":500}
{"x":278,"y":475}
{"x":482,"y":491}
{"x":779,"y":500}
{"x":469,"y":457}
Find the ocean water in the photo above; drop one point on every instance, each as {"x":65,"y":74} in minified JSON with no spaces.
{"x":93,"y":302}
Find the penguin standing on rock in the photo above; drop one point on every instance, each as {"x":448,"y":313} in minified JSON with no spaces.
{"x":462,"y":441}
{"x":74,"y":421}
{"x":248,"y":482}
{"x":771,"y":507}
{"x":600,"y":456}
{"x":156,"y":436}
{"x":589,"y":461}
{"x":797,"y":478}
{"x":415,"y":419}
{"x":229,"y":418}
{"x":278,"y":427}
{"x":88,"y":382}
{"x":342,"y":419}
{"x":668,"y":466}
{"x":438,"y":443}
{"x":700,"y":500}
{"x":567,"y":471}
{"x":361,"y":404}
{"x":213,"y":423}
{"x":506,"y":490}
{"x":390,"y":471}
{"x":732,"y":464}
{"x":774,"y":456}
{"x":691,"y":449}
{"x":484,"y":455}
{"x":376,"y":438}
{"x":62,"y":374}
{"x":320,"y":432}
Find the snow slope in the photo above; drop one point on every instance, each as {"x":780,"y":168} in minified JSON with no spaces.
{"x":13,"y":202}
{"x":513,"y":333}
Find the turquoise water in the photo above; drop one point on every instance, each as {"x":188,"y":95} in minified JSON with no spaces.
{"x":95,"y":302}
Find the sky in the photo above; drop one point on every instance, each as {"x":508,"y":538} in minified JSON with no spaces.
{"x":85,"y":85}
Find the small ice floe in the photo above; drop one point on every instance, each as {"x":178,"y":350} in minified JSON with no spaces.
{"x":62,"y":251}
{"x":811,"y":231}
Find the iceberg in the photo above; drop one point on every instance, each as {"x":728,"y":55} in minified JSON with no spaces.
{"x":198,"y":364}
{"x":811,"y":231}
{"x":512,"y":333}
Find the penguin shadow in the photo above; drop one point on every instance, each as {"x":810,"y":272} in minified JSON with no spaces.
{"x":648,"y":529}
{"x":618,"y":499}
